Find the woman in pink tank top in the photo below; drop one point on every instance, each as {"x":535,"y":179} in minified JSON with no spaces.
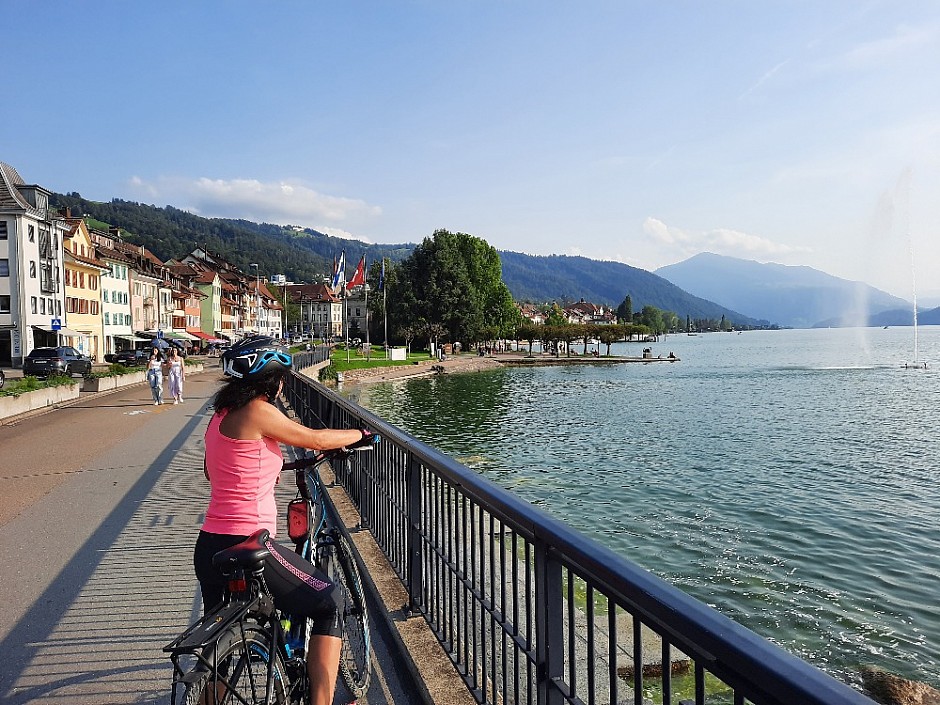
{"x":243,"y":464}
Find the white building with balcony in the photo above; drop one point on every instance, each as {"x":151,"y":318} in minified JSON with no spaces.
{"x":32,"y":295}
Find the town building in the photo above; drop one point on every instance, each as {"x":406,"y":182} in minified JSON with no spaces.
{"x":83,"y":271}
{"x":115,"y":295}
{"x":32,"y":297}
{"x":584,"y":312}
{"x":321,"y":311}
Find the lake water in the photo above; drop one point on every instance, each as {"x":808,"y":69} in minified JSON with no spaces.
{"x":790,"y":479}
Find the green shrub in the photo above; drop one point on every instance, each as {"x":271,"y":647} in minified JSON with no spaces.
{"x":116,"y":369}
{"x":327,"y":374}
{"x":14,"y":388}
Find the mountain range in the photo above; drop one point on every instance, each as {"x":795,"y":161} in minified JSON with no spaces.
{"x":793,"y":296}
{"x":706,"y":286}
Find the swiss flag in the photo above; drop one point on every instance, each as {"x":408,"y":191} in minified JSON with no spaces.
{"x":359,"y":278}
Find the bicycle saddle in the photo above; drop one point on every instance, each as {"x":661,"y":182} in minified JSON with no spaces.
{"x":249,"y":554}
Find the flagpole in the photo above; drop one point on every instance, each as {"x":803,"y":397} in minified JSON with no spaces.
{"x":365,"y":288}
{"x":384,"y":306}
{"x":346,"y":318}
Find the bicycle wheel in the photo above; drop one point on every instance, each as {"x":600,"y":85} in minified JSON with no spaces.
{"x":356,"y":657}
{"x":244,"y":664}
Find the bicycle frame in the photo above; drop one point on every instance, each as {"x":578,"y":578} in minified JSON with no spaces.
{"x":243,"y":599}
{"x":318,"y":536}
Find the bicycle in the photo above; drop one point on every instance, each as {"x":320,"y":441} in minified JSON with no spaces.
{"x":232,"y":644}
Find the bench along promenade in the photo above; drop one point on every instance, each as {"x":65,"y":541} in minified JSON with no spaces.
{"x":492,"y":600}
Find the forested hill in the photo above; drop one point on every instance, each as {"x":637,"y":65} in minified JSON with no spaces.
{"x":305,"y":255}
{"x":560,"y":277}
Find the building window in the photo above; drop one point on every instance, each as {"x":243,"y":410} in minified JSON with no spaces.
{"x":4,"y":304}
{"x":4,"y":267}
{"x":3,"y":230}
{"x":32,"y":304}
{"x":32,"y":233}
{"x":104,"y":294}
{"x":32,"y":270}
{"x":107,"y":318}
{"x":42,"y":307}
{"x":58,"y":308}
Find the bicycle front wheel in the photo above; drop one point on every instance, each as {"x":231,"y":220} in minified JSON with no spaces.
{"x":355,"y":663}
{"x":242,"y":672}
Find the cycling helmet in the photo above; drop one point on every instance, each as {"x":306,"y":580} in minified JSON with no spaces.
{"x":253,"y":356}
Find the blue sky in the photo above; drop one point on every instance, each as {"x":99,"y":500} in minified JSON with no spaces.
{"x":799,"y":132}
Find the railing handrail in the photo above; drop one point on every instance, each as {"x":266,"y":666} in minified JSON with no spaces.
{"x":765,"y":672}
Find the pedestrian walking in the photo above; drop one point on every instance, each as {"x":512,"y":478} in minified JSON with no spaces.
{"x":177,"y":375}
{"x":155,"y":376}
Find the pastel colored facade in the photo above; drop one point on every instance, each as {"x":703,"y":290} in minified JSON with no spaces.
{"x":321,"y":311}
{"x":32,"y":294}
{"x":83,"y":270}
{"x":115,"y":295}
{"x":64,"y":284}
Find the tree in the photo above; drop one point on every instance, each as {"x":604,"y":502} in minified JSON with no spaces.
{"x":610,"y":334}
{"x":528,"y":332}
{"x":556,"y":317}
{"x":589,"y":331}
{"x":625,"y":310}
{"x":455,"y":280}
{"x":652,"y":318}
{"x":407,"y":333}
{"x":291,"y":310}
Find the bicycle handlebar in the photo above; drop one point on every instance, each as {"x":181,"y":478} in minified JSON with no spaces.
{"x":366,"y":443}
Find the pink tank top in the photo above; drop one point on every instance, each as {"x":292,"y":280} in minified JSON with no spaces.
{"x":242,"y":474}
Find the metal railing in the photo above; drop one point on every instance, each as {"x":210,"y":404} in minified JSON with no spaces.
{"x":531,"y":611}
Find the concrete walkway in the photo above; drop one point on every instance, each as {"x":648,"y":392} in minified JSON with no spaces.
{"x":102,"y":502}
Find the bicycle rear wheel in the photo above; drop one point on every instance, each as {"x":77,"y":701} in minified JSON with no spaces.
{"x":243,"y":663}
{"x":355,"y":663}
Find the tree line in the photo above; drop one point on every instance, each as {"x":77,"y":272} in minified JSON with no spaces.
{"x":450,"y":289}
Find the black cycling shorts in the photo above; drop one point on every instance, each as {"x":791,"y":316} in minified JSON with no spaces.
{"x":298,"y":587}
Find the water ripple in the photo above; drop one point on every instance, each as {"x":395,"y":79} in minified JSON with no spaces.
{"x":790,"y":479}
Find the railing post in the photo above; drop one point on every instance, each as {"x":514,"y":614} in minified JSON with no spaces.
{"x":549,"y":627}
{"x":413,"y":509}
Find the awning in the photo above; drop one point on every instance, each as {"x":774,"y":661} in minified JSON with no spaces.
{"x":223,"y":334}
{"x":204,"y":336}
{"x":133,"y":338}
{"x":178,"y":335}
{"x":67,"y":332}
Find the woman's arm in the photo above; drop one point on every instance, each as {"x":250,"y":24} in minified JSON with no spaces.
{"x":273,"y":424}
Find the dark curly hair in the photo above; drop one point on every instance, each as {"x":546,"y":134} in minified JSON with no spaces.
{"x":236,"y":393}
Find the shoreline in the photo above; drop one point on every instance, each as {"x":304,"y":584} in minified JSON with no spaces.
{"x":468,"y":362}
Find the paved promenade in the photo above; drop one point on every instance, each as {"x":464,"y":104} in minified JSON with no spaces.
{"x":100,"y":504}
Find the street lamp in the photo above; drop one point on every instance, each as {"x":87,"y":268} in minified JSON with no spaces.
{"x":257,"y":297}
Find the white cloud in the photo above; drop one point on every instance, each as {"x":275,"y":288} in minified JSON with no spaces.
{"x":722,"y":241}
{"x":284,"y":202}
{"x":343,"y":234}
{"x":880,"y":51}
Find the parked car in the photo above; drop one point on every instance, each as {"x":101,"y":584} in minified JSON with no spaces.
{"x":63,"y":360}
{"x":131,"y":358}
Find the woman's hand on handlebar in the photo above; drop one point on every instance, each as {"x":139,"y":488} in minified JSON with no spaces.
{"x":368,"y":440}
